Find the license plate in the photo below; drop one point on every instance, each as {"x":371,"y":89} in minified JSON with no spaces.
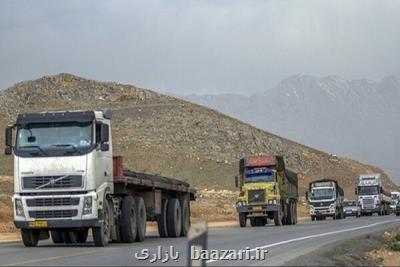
{"x":257,"y":209}
{"x":38,"y":224}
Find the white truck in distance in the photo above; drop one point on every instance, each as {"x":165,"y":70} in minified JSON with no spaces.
{"x":372,"y":196}
{"x":395,"y":196}
{"x":325,"y":198}
{"x":67,"y":181}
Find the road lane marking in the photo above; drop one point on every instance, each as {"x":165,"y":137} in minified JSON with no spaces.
{"x":29,"y":262}
{"x":314,"y":236}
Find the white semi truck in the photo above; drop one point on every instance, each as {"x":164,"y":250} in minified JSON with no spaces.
{"x":325,"y":198}
{"x":373,"y":198}
{"x":67,"y":181}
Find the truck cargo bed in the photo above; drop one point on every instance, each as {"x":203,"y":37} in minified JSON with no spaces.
{"x":137,"y":179}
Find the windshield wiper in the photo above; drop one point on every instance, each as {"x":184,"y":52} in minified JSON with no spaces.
{"x":74,"y":147}
{"x":38,"y":147}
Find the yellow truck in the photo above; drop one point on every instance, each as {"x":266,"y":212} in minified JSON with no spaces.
{"x":267,"y":191}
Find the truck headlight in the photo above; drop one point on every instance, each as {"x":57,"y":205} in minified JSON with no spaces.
{"x":87,"y":205}
{"x":274,"y":201}
{"x":270,"y":201}
{"x":19,"y":208}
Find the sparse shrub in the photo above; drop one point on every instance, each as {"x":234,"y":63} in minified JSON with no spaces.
{"x":395,"y":246}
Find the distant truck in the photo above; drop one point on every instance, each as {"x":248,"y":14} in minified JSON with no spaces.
{"x":372,"y":197}
{"x":268,"y":190}
{"x":325,"y":198}
{"x":395,"y":196}
{"x":66,"y":181}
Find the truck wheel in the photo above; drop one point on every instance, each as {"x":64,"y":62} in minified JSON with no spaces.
{"x":82,"y":235}
{"x":397,"y":213}
{"x":295,"y":212}
{"x":30,"y":237}
{"x":312,"y":218}
{"x":69,"y":236}
{"x":128,"y":220}
{"x":242,"y":219}
{"x":141,"y":219}
{"x":162,"y":219}
{"x":101,"y":235}
{"x":56,"y":236}
{"x":174,"y":218}
{"x":185,"y":217}
{"x":278,"y":217}
{"x":288,"y":220}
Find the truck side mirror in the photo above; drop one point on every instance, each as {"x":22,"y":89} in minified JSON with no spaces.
{"x":104,"y":133}
{"x":104,"y":147}
{"x":8,"y":141}
{"x":236,"y":181}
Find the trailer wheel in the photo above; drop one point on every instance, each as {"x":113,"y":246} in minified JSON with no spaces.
{"x":82,"y":235}
{"x":174,"y":221}
{"x":128,"y":220}
{"x":185,"y":217}
{"x":278,"y":217}
{"x":101,"y":235}
{"x":242,"y":219}
{"x":56,"y":236}
{"x":162,"y":219}
{"x":30,"y":237}
{"x":141,"y":219}
{"x":69,"y":236}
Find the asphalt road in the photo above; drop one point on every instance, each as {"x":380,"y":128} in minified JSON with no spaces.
{"x":283,"y":244}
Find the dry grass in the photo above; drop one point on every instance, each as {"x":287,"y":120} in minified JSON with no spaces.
{"x":386,"y":256}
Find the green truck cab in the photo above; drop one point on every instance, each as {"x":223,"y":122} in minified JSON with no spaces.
{"x":267,"y":191}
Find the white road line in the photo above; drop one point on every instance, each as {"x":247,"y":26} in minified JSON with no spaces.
{"x":314,"y":236}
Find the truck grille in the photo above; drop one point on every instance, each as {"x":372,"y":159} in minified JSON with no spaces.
{"x":50,"y":214}
{"x":46,"y":182}
{"x":52,"y":202}
{"x":368,"y":202}
{"x":256,"y":196}
{"x":321,"y":204}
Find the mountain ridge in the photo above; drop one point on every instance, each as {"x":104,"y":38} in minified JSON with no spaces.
{"x":169,"y":136}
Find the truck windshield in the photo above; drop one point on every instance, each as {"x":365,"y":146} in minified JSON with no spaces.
{"x":47,"y":137}
{"x":259,"y":175}
{"x":321,"y":193}
{"x":367,"y":190}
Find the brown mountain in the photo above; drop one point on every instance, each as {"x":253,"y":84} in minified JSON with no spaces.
{"x":165,"y":135}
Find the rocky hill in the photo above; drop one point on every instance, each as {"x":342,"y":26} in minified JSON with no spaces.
{"x":355,"y":118}
{"x":165,"y":135}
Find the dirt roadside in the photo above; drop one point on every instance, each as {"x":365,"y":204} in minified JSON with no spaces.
{"x":367,"y":250}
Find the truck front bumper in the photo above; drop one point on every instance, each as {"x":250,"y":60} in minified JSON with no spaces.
{"x":322,"y":212}
{"x":257,"y":209}
{"x":59,"y":224}
{"x":55,"y":211}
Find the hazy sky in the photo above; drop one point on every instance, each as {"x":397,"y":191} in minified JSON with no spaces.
{"x":198,"y":46}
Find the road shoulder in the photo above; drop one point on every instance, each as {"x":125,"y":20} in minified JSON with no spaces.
{"x":352,"y":252}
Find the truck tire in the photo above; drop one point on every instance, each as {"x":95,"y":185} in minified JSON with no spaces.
{"x":312,"y":218}
{"x":397,"y":213}
{"x":82,"y":235}
{"x":69,"y":236}
{"x":30,"y":237}
{"x":288,"y":217}
{"x":128,"y":220}
{"x":295,"y":212}
{"x":185,"y":217}
{"x":141,"y":219}
{"x":174,"y":218}
{"x":162,"y":219}
{"x":101,"y":234}
{"x":278,"y":217}
{"x":242,"y":219}
{"x":56,"y":236}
